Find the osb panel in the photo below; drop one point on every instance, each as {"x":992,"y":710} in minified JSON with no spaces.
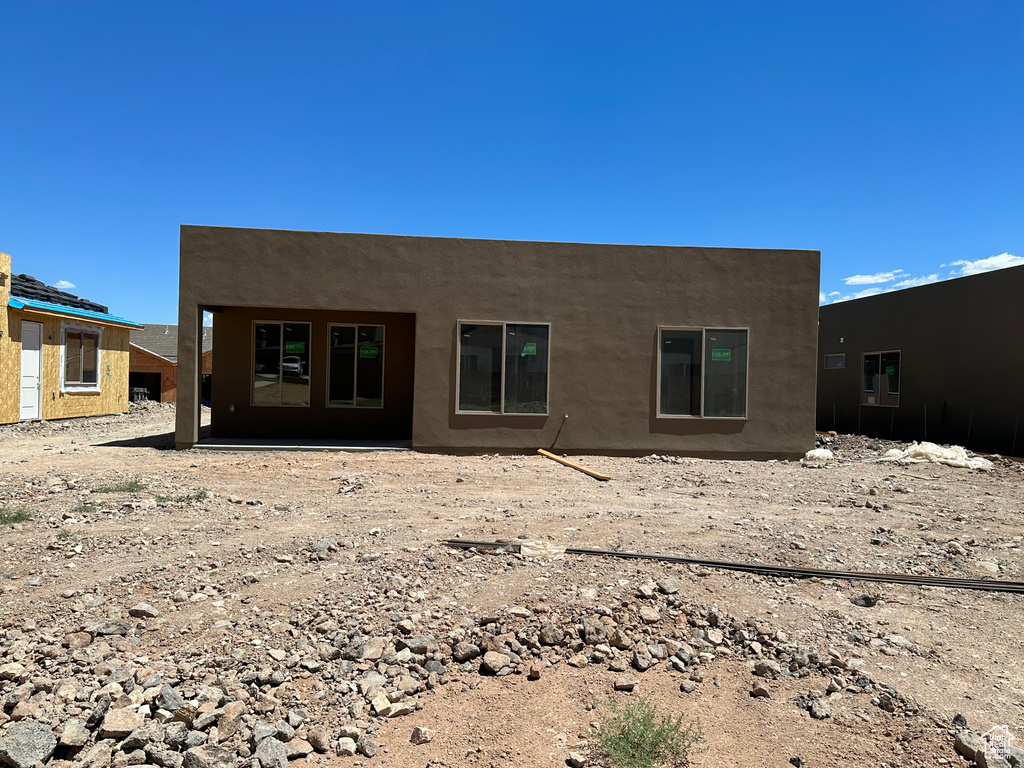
{"x":113,"y":394}
{"x":10,"y":365}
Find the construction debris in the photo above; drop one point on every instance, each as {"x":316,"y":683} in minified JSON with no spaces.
{"x":575,"y":465}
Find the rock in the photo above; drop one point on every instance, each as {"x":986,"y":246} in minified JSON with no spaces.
{"x":168,"y":698}
{"x":26,"y":743}
{"x":319,"y":739}
{"x":577,"y":660}
{"x":865,"y":601}
{"x":760,"y":692}
{"x":118,"y":723}
{"x":576,"y":760}
{"x":209,"y":756}
{"x":550,"y":634}
{"x":113,"y":628}
{"x":297,"y":748}
{"x":74,"y":733}
{"x":366,"y":746}
{"x":150,"y":731}
{"x":536,"y":669}
{"x":669,"y":586}
{"x":421,"y":735}
{"x":231,"y":719}
{"x":465,"y":652}
{"x":649,"y":615}
{"x":346,"y":747}
{"x":987,"y":566}
{"x":820,"y":709}
{"x":143,"y":611}
{"x":767,"y":668}
{"x":262,"y":730}
{"x":625,"y":684}
{"x":968,"y":744}
{"x":271,"y":753}
{"x":417,"y":645}
{"x":715,"y":636}
{"x":493,"y":663}
{"x":687,"y":686}
{"x":991,"y":759}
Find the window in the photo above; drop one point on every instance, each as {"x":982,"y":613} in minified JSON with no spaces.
{"x":503,"y":368}
{"x":881,"y":379}
{"x":836,"y":361}
{"x":356,"y":366}
{"x":280,"y":363}
{"x":81,"y":352}
{"x":702,"y":372}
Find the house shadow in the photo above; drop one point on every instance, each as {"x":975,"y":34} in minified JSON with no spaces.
{"x":163,"y":441}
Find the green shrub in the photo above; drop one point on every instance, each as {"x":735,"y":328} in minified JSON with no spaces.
{"x":12,"y":516}
{"x":635,"y":736}
{"x":127,"y":486}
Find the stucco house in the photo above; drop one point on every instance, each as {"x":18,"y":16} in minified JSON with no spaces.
{"x":942,"y":362}
{"x":461,"y":345}
{"x":60,"y":356}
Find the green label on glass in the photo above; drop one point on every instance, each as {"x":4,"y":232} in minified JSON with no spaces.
{"x":890,"y":370}
{"x":295,"y":346}
{"x":529,"y":349}
{"x":369,"y":352}
{"x":721,"y":354}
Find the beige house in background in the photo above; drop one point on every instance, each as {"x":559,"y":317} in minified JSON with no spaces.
{"x":60,"y":356}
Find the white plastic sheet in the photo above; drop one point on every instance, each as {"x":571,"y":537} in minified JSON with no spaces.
{"x":818,"y":454}
{"x":952,"y":456}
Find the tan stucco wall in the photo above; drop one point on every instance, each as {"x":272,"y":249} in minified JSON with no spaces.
{"x":604,"y":304}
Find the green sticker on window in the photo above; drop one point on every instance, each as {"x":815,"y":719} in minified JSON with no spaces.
{"x":295,"y":346}
{"x":721,"y":354}
{"x":529,"y":349}
{"x":369,"y":352}
{"x":890,"y":370}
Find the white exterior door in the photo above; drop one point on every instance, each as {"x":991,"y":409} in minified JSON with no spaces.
{"x":31,"y":369}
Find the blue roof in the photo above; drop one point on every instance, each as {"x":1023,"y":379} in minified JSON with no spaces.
{"x":17,"y":302}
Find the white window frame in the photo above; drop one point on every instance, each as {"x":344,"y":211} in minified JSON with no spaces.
{"x":70,"y":386}
{"x":503,"y":324}
{"x":355,"y":368}
{"x":280,"y":363}
{"x":864,"y":392}
{"x":703,"y":371}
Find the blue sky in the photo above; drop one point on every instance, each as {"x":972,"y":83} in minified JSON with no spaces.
{"x":887,"y":135}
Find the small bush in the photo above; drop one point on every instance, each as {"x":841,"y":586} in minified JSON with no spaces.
{"x":128,"y":486}
{"x":64,"y":534}
{"x":85,"y":508}
{"x":199,"y":495}
{"x":634,"y":736}
{"x":12,"y":516}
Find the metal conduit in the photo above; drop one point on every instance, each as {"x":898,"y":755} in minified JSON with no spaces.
{"x":1015,"y":587}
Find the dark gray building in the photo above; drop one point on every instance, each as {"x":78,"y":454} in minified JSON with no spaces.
{"x":481,"y":345}
{"x":941,"y":362}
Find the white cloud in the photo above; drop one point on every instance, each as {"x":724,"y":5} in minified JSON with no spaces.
{"x":976,"y":267}
{"x":63,"y":285}
{"x":913,"y":282}
{"x":835,"y":293}
{"x":207,"y":318}
{"x":878,"y":277}
{"x":822,"y":298}
{"x":862,"y":294}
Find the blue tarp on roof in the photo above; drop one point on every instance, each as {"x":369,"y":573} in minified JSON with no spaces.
{"x":17,"y":302}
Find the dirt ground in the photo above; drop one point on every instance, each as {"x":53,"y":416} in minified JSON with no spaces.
{"x":204,"y":520}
